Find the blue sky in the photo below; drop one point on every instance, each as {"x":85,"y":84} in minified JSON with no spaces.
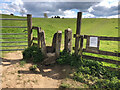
{"x":101,"y":9}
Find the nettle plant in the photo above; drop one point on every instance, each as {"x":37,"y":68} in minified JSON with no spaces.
{"x":87,"y":69}
{"x":33,"y":53}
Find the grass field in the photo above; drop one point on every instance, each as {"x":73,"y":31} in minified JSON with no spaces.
{"x":90,"y":26}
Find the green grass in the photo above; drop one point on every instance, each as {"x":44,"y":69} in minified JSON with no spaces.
{"x":90,"y":72}
{"x":90,"y":26}
{"x":22,"y":63}
{"x":64,"y":85}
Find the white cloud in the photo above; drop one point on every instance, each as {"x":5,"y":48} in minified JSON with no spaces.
{"x":17,"y":2}
{"x":70,"y":14}
{"x":14,"y":7}
{"x":59,"y":10}
{"x":67,"y":14}
{"x":88,"y":15}
{"x":90,"y":9}
{"x":61,"y":0}
{"x":7,"y":0}
{"x":6,"y":12}
{"x":113,"y":16}
{"x":46,"y":12}
{"x":105,"y":9}
{"x":0,"y":12}
{"x":108,"y":3}
{"x":3,"y":6}
{"x":105,"y":3}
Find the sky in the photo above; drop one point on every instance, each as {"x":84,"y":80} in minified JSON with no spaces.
{"x":63,"y":8}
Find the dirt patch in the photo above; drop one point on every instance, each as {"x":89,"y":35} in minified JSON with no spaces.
{"x":20,"y":77}
{"x":15,"y":76}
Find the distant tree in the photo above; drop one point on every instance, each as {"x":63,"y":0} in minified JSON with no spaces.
{"x":12,"y":14}
{"x":45,"y":15}
{"x":62,"y":17}
{"x":51,"y":17}
{"x":58,"y":16}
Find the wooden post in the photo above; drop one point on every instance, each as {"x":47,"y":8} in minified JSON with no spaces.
{"x":81,"y":45}
{"x":43,"y":45}
{"x":54,"y":42}
{"x":29,"y":27}
{"x":68,"y":40}
{"x":38,"y":33}
{"x":58,"y":43}
{"x":79,"y":18}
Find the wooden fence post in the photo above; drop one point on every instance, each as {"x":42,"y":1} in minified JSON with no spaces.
{"x":58,"y":43}
{"x":68,"y":40}
{"x":81,"y":44}
{"x":38,"y":33}
{"x":29,"y":27}
{"x":43,"y":45}
{"x":79,"y":18}
{"x":54,"y":42}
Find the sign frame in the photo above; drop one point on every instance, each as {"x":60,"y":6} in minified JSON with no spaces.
{"x":95,"y":49}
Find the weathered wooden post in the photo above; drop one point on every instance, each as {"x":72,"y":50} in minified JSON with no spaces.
{"x":81,"y":44}
{"x":58,"y":43}
{"x":79,"y":18}
{"x":29,"y":27}
{"x":38,"y":33}
{"x":54,"y":42}
{"x":43,"y":45}
{"x":68,"y":40}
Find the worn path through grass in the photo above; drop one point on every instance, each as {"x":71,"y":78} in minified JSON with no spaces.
{"x":16,"y":76}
